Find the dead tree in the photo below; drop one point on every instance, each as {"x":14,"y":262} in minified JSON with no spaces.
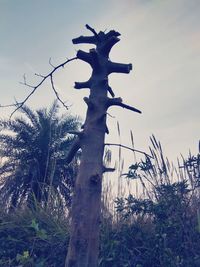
{"x":85,"y":221}
{"x":85,"y":215}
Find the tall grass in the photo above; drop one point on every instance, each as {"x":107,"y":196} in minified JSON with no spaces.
{"x":157,"y":224}
{"x":150,"y":218}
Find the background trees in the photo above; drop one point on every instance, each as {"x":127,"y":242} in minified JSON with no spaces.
{"x":34,"y":148}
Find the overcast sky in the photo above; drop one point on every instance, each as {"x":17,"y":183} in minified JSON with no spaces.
{"x":161,"y":38}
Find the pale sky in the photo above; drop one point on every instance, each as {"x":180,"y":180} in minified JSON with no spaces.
{"x":161,"y":38}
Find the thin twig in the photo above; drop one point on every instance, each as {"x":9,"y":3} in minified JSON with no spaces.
{"x":39,"y":75}
{"x":129,"y":148}
{"x":56,"y":93}
{"x":51,"y":63}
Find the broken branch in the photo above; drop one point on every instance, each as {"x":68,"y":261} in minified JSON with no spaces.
{"x":81,"y":85}
{"x":92,"y":30}
{"x":118,"y":102}
{"x":119,"y":67}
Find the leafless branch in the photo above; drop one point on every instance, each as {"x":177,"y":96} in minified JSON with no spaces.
{"x":25,"y":82}
{"x":18,"y":105}
{"x":39,"y":75}
{"x":51,"y":63}
{"x":129,"y":148}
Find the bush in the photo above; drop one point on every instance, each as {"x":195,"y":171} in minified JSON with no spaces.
{"x":30,"y":238}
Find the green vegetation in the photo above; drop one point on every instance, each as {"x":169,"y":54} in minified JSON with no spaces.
{"x":157,"y":227}
{"x":33,"y":149}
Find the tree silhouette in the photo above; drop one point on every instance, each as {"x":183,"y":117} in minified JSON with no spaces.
{"x":86,"y":206}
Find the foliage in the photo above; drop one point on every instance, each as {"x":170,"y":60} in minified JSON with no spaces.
{"x":29,"y":238}
{"x":158,"y":229}
{"x":168,"y":210}
{"x":34,"y":149}
{"x":148,"y":234}
{"x":175,"y":236}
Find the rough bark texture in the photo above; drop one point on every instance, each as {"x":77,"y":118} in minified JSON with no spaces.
{"x":85,"y":221}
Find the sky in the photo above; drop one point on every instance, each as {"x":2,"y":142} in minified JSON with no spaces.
{"x":161,"y":38}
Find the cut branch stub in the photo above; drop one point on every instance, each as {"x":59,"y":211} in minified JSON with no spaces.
{"x":118,"y":67}
{"x":87,"y":57}
{"x":81,"y":85}
{"x":98,"y":58}
{"x":84,"y":40}
{"x":90,"y":58}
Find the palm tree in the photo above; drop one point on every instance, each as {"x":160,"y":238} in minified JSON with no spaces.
{"x":33,"y":149}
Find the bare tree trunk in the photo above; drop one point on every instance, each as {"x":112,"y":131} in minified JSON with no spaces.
{"x":86,"y":206}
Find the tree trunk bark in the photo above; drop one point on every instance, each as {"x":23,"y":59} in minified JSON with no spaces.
{"x":86,"y":206}
{"x":84,"y":242}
